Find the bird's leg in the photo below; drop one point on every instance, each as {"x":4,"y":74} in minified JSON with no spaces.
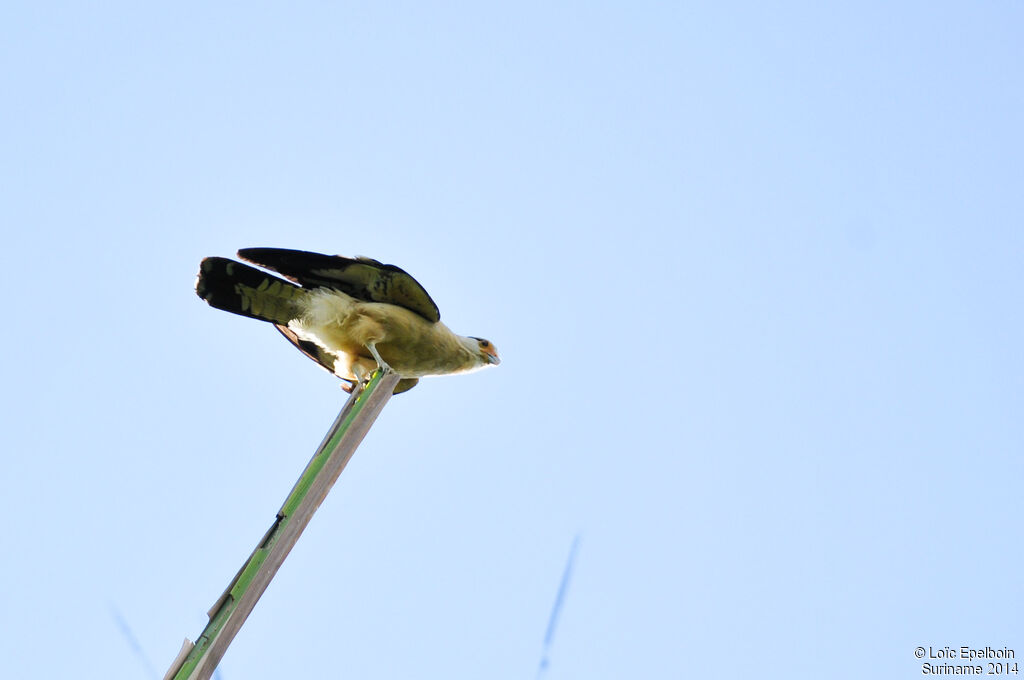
{"x":361,"y":372}
{"x":383,"y":365}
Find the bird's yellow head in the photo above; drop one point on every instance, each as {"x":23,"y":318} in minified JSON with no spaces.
{"x":488,"y":351}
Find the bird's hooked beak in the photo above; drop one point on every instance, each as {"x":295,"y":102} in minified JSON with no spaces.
{"x":488,"y":352}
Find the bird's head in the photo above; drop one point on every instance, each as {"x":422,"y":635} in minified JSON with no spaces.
{"x":487,"y":352}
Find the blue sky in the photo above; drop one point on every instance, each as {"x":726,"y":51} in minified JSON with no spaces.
{"x":754,"y":272}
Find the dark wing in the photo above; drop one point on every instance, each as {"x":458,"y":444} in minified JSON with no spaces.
{"x":361,"y":278}
{"x":405,"y":384}
{"x":317,"y":354}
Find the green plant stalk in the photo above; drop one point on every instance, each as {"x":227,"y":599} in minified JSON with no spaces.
{"x":232,"y":608}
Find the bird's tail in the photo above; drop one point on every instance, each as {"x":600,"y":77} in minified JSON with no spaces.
{"x":241,"y":289}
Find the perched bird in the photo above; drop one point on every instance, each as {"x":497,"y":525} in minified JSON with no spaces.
{"x":348,"y":315}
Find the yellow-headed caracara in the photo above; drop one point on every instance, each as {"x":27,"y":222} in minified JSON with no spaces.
{"x":348,"y":315}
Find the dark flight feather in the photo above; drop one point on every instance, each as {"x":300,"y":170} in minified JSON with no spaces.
{"x":240,"y":289}
{"x":362,"y":278}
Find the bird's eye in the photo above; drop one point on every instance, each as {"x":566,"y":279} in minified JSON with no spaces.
{"x":484,"y":343}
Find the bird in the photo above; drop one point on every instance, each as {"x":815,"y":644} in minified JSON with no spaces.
{"x":350,"y":315}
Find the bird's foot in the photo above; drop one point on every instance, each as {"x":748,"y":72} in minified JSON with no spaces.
{"x":381,"y":364}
